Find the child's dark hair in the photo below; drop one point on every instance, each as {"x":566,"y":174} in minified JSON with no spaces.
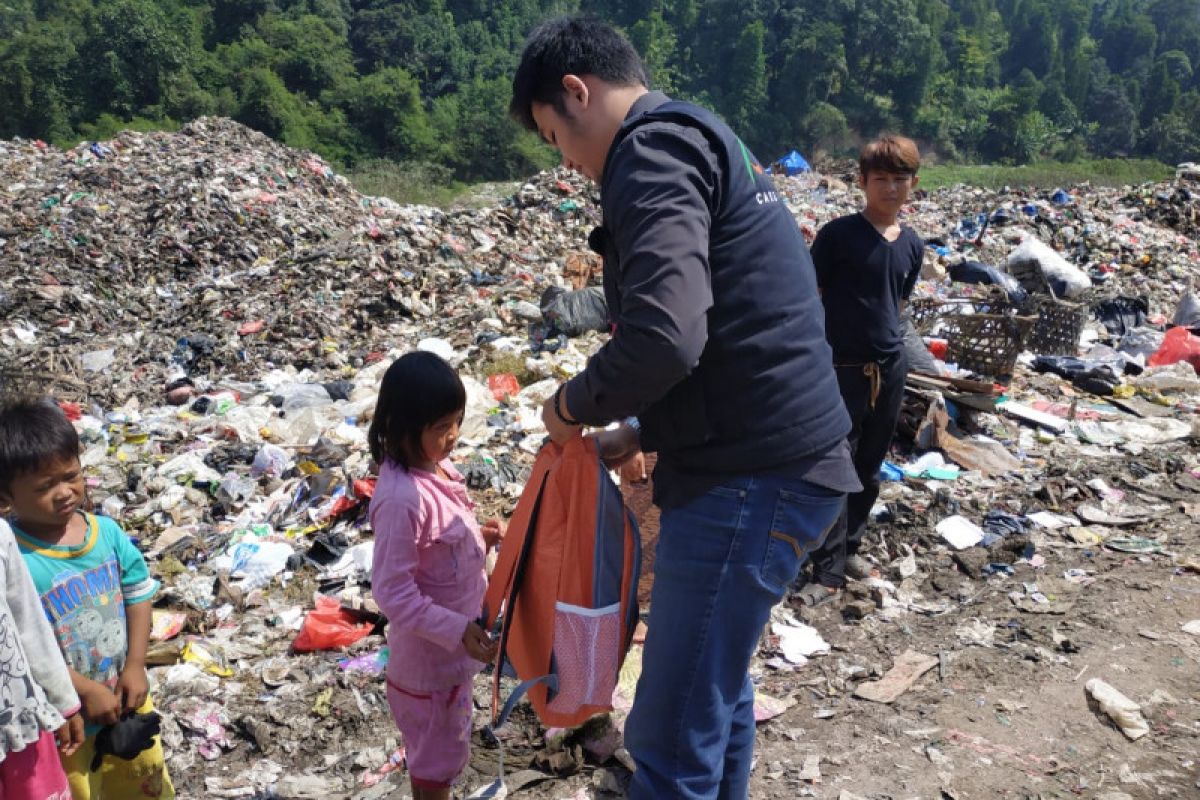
{"x":418,"y":389}
{"x":889,"y":153}
{"x":33,"y":432}
{"x":578,"y":45}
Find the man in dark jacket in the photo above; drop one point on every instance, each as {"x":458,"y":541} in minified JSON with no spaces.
{"x":719,"y":364}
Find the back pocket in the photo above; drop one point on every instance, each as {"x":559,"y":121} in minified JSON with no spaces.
{"x":587,"y":656}
{"x":798,"y":527}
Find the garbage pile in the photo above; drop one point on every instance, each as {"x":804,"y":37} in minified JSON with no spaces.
{"x":215,"y":310}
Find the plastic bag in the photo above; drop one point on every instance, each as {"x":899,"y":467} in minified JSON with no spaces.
{"x":1188,"y":313}
{"x":328,"y":627}
{"x":979,"y":273}
{"x":1178,"y":345}
{"x":1121,"y":315}
{"x":1035,"y":263}
{"x":575,"y":313}
{"x":1140,"y":342}
{"x":503,"y":386}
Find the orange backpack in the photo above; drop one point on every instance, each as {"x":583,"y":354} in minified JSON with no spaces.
{"x":565,"y":584}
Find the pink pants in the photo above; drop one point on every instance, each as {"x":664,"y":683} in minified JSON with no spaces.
{"x":437,"y":732}
{"x":35,"y":773}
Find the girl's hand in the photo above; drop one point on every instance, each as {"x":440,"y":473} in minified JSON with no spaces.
{"x":132,"y":688}
{"x":479,"y":645}
{"x":100,"y":705}
{"x":493,"y":531}
{"x":70,"y":735}
{"x":618,"y":445}
{"x":634,"y":470}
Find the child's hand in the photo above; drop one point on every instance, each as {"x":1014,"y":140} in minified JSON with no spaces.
{"x":70,"y":735}
{"x":100,"y":705}
{"x":634,"y":470}
{"x":479,"y":645}
{"x":132,"y":688}
{"x":493,"y":531}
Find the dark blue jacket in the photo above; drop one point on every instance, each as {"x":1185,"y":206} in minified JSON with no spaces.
{"x":719,"y":333}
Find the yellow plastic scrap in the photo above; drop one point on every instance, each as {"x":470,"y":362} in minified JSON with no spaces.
{"x":322,"y":707}
{"x":208,"y":659}
{"x":1124,"y":391}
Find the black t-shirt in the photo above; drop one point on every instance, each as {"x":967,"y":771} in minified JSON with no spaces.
{"x":863,"y":278}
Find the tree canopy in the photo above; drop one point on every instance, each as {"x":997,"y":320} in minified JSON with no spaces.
{"x":428,"y":80}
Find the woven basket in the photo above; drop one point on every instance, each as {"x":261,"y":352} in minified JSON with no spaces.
{"x":1059,"y":326}
{"x":926,"y":312}
{"x":987,"y":344}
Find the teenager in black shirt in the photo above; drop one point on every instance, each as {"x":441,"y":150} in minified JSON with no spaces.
{"x":867,"y":264}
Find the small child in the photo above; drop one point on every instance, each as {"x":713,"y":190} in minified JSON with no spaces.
{"x":37,"y":701}
{"x":94,"y":587}
{"x":428,"y":575}
{"x":867,"y":264}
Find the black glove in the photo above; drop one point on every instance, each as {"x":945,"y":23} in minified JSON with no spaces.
{"x":127,"y":738}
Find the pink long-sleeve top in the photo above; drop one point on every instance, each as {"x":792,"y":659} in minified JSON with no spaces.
{"x":428,"y":576}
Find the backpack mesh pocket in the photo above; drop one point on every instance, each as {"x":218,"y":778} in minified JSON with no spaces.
{"x":587,"y":655}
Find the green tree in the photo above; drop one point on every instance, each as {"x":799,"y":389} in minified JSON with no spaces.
{"x":747,"y":98}
{"x":130,"y":55}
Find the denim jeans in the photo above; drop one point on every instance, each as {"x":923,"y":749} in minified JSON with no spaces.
{"x":723,"y":561}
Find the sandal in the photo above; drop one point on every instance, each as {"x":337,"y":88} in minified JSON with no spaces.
{"x":815,"y":594}
{"x":860,"y":569}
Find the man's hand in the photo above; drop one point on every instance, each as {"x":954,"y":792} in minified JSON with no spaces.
{"x":493,"y":531}
{"x":559,"y":430}
{"x":479,"y":645}
{"x":100,"y":705}
{"x":132,"y":688}
{"x":618,"y":445}
{"x":70,"y":736}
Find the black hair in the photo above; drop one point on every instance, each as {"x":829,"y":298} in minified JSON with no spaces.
{"x":34,"y":431}
{"x":578,"y":45}
{"x":418,"y":389}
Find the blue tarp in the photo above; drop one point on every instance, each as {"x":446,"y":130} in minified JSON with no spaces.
{"x":793,"y":163}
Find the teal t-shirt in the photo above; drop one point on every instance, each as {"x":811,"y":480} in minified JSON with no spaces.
{"x":84,"y":590}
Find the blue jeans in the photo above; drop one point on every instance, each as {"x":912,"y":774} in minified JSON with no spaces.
{"x":723,"y":561}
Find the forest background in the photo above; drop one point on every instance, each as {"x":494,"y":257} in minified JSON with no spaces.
{"x":419,"y":88}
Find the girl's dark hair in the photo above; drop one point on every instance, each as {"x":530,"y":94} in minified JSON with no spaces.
{"x":418,"y":389}
{"x":579,"y":45}
{"x":33,"y":432}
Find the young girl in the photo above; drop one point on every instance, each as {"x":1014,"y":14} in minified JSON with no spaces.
{"x":37,"y":701}
{"x":428,"y":574}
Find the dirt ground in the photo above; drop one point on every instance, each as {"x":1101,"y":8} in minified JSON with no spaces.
{"x":1009,"y":720}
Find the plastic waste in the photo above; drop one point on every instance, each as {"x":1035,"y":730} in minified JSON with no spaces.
{"x":256,"y":563}
{"x":575,"y":312}
{"x":1141,"y":342}
{"x":328,"y":626}
{"x":503,"y":386}
{"x":1121,"y":314}
{"x":1187,"y":315}
{"x":1179,"y":377}
{"x":959,"y":532}
{"x":979,"y":273}
{"x":1179,"y":344}
{"x":1037,"y":265}
{"x":98,"y":360}
{"x":270,"y":461}
{"x":1095,"y":376}
{"x":1120,"y":709}
{"x":299,"y":396}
